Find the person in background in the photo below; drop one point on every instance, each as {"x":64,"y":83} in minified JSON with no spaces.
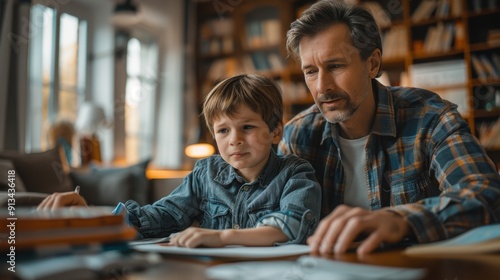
{"x":246,"y":195}
{"x":394,"y":163}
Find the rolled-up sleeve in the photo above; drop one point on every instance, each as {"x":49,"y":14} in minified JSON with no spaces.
{"x":300,"y":205}
{"x":296,"y":230}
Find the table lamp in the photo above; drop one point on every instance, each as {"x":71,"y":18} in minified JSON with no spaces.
{"x":89,"y":120}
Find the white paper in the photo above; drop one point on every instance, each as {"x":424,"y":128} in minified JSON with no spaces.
{"x":230,"y":251}
{"x":311,"y":268}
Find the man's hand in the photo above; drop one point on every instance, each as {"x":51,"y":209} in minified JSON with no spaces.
{"x":197,"y":237}
{"x":57,"y":200}
{"x":337,"y":231}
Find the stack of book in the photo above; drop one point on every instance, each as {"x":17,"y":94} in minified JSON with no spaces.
{"x":438,"y":8}
{"x":63,"y":229}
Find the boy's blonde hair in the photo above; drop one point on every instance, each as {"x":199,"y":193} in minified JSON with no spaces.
{"x":260,"y":94}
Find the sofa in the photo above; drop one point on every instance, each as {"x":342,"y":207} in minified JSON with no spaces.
{"x":39,"y":174}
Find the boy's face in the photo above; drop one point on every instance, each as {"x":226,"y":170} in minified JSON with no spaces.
{"x":244,"y":141}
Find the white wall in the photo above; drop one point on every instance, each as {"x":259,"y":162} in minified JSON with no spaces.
{"x":170,"y":148}
{"x":100,"y":77}
{"x":164,"y":20}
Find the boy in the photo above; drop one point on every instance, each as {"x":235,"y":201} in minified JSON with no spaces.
{"x":246,"y":195}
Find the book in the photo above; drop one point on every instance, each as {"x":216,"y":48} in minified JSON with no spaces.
{"x":456,"y":8}
{"x":447,"y":37}
{"x":28,"y":219}
{"x":27,"y":228}
{"x":459,"y":35}
{"x":479,"y":240}
{"x":424,"y":10}
{"x":488,"y":66}
{"x":443,"y":9}
{"x":478,"y":66}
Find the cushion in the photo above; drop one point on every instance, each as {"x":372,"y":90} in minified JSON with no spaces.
{"x":104,"y":189}
{"x":7,"y":166}
{"x":108,"y":186}
{"x":41,"y":172}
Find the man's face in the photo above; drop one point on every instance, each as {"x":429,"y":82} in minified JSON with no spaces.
{"x":338,"y":79}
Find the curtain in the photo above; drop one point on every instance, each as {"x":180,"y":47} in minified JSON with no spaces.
{"x":14,"y":38}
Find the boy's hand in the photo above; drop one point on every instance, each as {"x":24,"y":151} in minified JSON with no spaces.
{"x":337,"y":231}
{"x":197,"y":237}
{"x":57,"y":200}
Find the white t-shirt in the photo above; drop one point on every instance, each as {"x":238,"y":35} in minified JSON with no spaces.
{"x":354,"y":162}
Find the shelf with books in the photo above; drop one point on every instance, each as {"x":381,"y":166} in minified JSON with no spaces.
{"x":391,"y":19}
{"x":433,"y":10}
{"x":258,"y":33}
{"x":484,"y":65}
{"x":216,"y":37}
{"x":476,"y":7}
{"x":441,"y":38}
{"x":486,"y":28}
{"x":441,"y":32}
{"x":262,"y":29}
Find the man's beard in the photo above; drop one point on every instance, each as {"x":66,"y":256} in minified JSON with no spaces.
{"x":342,"y":114}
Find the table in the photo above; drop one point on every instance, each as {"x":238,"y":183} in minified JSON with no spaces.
{"x":452,"y":267}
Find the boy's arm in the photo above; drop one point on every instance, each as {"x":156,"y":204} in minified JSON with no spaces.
{"x":197,"y":237}
{"x":299,"y":203}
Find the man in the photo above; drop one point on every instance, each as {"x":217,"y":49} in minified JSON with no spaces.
{"x":394,"y":163}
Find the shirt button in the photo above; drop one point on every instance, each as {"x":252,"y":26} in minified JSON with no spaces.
{"x":245,"y":188}
{"x":309,"y":216}
{"x":236,"y":226}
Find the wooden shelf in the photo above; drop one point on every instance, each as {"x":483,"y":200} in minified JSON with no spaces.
{"x":474,"y":28}
{"x":433,"y":21}
{"x":440,"y":55}
{"x":487,"y":114}
{"x":259,"y":32}
{"x":484,"y":46}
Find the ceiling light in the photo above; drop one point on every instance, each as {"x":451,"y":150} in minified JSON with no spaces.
{"x":125,"y":14}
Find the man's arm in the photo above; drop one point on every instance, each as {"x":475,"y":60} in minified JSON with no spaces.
{"x":468,"y":181}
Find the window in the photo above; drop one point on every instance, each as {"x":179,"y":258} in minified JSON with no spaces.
{"x":140,"y":96}
{"x":57,"y":64}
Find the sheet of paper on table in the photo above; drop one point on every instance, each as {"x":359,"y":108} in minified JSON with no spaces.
{"x":229,"y":251}
{"x":311,"y":268}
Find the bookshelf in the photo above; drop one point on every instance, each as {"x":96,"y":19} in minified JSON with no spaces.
{"x":418,"y":37}
{"x":451,"y":46}
{"x":249,"y":37}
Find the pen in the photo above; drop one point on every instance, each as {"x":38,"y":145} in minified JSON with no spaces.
{"x":77,"y":189}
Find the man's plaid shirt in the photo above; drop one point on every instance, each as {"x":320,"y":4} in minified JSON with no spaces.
{"x":421,"y":159}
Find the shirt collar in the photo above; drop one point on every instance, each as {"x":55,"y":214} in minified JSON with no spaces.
{"x":229,"y":174}
{"x":385,"y":117}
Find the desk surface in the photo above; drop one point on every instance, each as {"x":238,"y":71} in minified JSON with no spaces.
{"x":452,"y":267}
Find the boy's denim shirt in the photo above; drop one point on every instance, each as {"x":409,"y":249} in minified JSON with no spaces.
{"x":286,"y":195}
